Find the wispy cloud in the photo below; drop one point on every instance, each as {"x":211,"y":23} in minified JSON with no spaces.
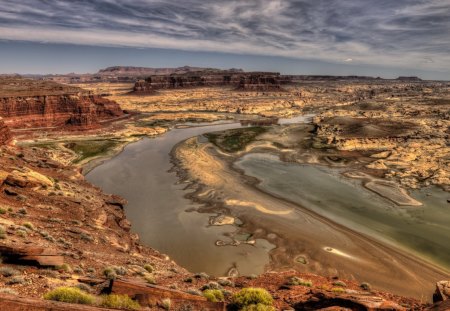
{"x":404,"y":33}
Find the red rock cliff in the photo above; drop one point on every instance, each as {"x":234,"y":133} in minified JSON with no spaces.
{"x":27,"y":103}
{"x":5,"y":134}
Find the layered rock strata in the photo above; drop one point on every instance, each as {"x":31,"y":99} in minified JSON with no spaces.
{"x":254,"y":81}
{"x":27,"y":104}
{"x":5,"y":134}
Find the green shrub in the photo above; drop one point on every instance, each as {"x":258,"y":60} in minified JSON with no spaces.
{"x":338,"y":290}
{"x":110,"y":273}
{"x":28,"y":225}
{"x":8,"y":271}
{"x":149,"y":268}
{"x":226,"y":282}
{"x":150,"y":279}
{"x":213,"y":295}
{"x":123,"y":302}
{"x":2,"y":210}
{"x":366,"y":286}
{"x":70,"y":295}
{"x":339,"y":283}
{"x":166,"y":304}
{"x":211,"y":285}
{"x":64,"y":267}
{"x":252,"y":296}
{"x":21,"y":233}
{"x":298,"y":281}
{"x":258,"y":307}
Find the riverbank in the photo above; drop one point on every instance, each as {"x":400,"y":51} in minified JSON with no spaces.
{"x":352,"y":255}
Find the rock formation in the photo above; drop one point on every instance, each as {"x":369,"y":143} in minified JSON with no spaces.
{"x":26,"y":103}
{"x":5,"y":135}
{"x":251,"y":81}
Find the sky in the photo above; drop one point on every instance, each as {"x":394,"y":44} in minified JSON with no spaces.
{"x":384,"y":38}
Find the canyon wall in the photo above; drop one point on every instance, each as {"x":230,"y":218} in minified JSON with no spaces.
{"x":27,"y":104}
{"x":253,"y":81}
{"x":5,"y":134}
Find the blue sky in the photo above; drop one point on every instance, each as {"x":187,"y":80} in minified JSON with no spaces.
{"x":365,"y":37}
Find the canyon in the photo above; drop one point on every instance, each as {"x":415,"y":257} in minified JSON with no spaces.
{"x":396,"y":131}
{"x":29,"y":103}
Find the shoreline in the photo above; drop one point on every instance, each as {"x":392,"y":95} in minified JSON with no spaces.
{"x":250,"y":226}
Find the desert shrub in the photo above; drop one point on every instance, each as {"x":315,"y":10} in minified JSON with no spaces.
{"x":9,"y":291}
{"x":123,"y":302}
{"x":211,"y":285}
{"x":339,"y":283}
{"x":16,"y":280}
{"x":149,"y":268}
{"x":120,"y":270}
{"x":78,"y":270}
{"x":213,"y":295}
{"x":338,"y":290}
{"x":110,"y":273}
{"x":252,"y":276}
{"x":366,"y":286}
{"x":226,"y":282}
{"x":166,"y":304}
{"x":201,"y":275}
{"x":90,"y":270}
{"x":22,"y":211}
{"x":188,"y":280}
{"x":8,"y":271}
{"x":194,"y":292}
{"x":150,"y":279}
{"x":298,"y":281}
{"x":86,"y":237}
{"x":21,"y":233}
{"x":258,"y":307}
{"x":64,"y":267}
{"x":2,"y":211}
{"x":252,"y":296}
{"x":84,"y":287}
{"x":70,"y":295}
{"x":28,"y":225}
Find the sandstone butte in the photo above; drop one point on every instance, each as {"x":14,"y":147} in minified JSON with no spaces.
{"x":26,"y":103}
{"x":90,"y":228}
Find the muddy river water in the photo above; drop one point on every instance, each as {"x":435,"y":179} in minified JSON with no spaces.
{"x":161,"y":215}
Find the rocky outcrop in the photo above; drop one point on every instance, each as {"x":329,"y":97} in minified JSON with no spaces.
{"x":27,"y":104}
{"x":250,"y":81}
{"x":260,"y":82}
{"x":5,"y":134}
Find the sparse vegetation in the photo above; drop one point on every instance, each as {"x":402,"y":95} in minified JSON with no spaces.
{"x":213,"y":295}
{"x":366,"y":286}
{"x":8,"y":271}
{"x":298,"y":281}
{"x":64,"y":267}
{"x":211,"y":285}
{"x":123,"y":302}
{"x":28,"y":225}
{"x":150,"y":279}
{"x":236,"y":139}
{"x":90,"y":148}
{"x":16,"y":280}
{"x":149,"y":268}
{"x":339,"y":283}
{"x":247,"y":297}
{"x":201,"y":275}
{"x":166,"y":304}
{"x":70,"y":295}
{"x":338,"y":290}
{"x":258,"y":307}
{"x":8,"y":291}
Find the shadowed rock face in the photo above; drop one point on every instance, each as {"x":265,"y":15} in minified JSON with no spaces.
{"x":27,"y":103}
{"x":5,"y":134}
{"x":255,"y":81}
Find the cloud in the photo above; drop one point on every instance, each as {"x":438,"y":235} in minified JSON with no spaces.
{"x":402,"y":33}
